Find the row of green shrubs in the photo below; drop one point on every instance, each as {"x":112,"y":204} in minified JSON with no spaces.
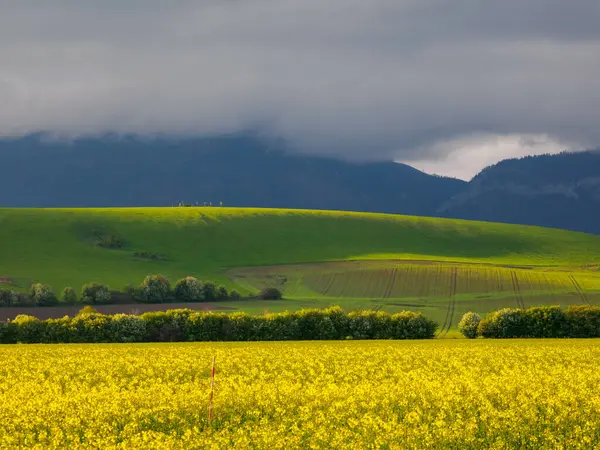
{"x":581,"y":321}
{"x":186,"y":325}
{"x":153,"y":289}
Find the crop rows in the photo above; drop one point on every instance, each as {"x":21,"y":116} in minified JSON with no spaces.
{"x":444,"y":280}
{"x":448,"y":320}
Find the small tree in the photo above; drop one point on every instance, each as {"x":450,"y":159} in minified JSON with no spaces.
{"x":270,"y":293}
{"x":210,"y":291}
{"x":8,"y":297}
{"x":95,"y":294}
{"x":155,"y":289}
{"x":188,"y":289}
{"x":69,"y":295}
{"x":222,"y":293}
{"x":132,"y":291}
{"x":42,"y":295}
{"x":468,"y":325}
{"x":234,"y":295}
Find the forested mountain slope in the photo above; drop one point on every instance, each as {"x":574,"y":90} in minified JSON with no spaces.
{"x":560,"y":191}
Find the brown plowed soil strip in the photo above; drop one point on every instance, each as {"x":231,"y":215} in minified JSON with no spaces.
{"x":136,"y":308}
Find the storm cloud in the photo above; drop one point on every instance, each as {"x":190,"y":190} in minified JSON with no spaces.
{"x":411,"y":80}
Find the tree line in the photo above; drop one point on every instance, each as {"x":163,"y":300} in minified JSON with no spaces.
{"x":153,"y":289}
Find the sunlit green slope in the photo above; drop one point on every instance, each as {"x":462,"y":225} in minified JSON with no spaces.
{"x":59,"y":246}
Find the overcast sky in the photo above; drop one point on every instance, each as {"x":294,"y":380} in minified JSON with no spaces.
{"x":449,"y":86}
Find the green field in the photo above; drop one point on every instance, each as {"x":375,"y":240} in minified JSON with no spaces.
{"x":439,"y":266}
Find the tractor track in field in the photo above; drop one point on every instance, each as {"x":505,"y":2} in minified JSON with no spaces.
{"x":517,"y":290}
{"x":390,"y":287}
{"x":579,"y":290}
{"x":328,"y":284}
{"x":451,"y":304}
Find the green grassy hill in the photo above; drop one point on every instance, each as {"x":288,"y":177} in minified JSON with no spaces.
{"x":61,"y":247}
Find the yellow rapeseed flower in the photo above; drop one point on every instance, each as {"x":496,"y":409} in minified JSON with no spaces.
{"x":346,"y":395}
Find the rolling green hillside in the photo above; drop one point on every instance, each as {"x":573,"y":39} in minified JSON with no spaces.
{"x":61,"y":247}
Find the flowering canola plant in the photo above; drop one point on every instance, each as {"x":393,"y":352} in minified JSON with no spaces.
{"x":349,"y":394}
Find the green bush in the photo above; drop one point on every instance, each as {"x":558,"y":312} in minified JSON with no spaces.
{"x":583,"y":321}
{"x":222,"y":293}
{"x":370,"y":325}
{"x":127,"y":328}
{"x":315,"y":324}
{"x":468,"y":325}
{"x":69,"y":295}
{"x":29,"y":329}
{"x":240,"y":326}
{"x":234,"y":295}
{"x":505,"y":323}
{"x":132,"y":291}
{"x":58,"y":331}
{"x":7,"y":333}
{"x":95,"y":294}
{"x":339,"y":319}
{"x":270,"y":293}
{"x":155,"y":289}
{"x":206,"y":326}
{"x":3,"y":332}
{"x":167,"y":326}
{"x":209,"y":290}
{"x":92,"y":328}
{"x":412,"y":325}
{"x":188,"y":289}
{"x":277,"y":327}
{"x":109,"y":241}
{"x":545,"y":322}
{"x":8,"y":297}
{"x":42,"y":295}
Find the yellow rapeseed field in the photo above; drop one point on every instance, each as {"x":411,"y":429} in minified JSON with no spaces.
{"x":434,"y":394}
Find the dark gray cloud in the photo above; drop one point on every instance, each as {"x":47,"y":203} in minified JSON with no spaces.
{"x":372,"y":79}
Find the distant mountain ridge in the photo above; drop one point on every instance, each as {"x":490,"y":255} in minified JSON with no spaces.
{"x":238,"y":170}
{"x":560,"y":191}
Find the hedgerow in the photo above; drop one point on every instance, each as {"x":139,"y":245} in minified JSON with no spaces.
{"x":540,"y":322}
{"x":188,"y":325}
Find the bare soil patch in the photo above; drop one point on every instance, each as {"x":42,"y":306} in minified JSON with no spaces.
{"x":55,"y":312}
{"x":7,"y":281}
